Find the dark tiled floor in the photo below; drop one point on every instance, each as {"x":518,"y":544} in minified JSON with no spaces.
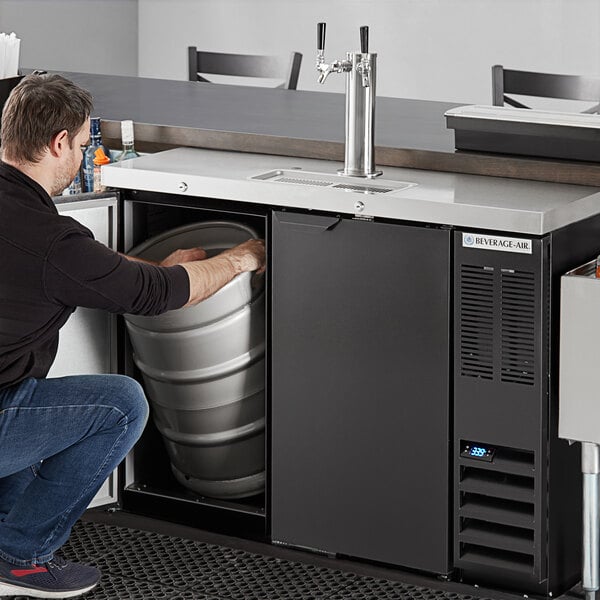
{"x":143,"y":565}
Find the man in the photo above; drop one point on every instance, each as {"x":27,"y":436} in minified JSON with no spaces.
{"x":60,"y":438}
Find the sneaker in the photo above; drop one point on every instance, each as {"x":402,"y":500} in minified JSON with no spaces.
{"x":56,"y":578}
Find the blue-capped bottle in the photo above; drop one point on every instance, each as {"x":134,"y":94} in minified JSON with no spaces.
{"x":128,"y":142}
{"x":88,"y":155}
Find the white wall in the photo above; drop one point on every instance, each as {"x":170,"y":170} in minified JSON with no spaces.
{"x":428,"y":49}
{"x":90,"y":36}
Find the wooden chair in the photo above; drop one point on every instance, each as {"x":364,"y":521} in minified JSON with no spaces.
{"x":286,"y":69}
{"x":544,"y":85}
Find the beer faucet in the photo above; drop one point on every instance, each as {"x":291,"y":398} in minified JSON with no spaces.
{"x":360,"y":68}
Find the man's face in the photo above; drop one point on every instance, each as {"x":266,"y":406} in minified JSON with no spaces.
{"x":70,"y":160}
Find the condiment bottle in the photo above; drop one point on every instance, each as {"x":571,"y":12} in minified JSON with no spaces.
{"x":127,"y":137}
{"x":88,"y":155}
{"x":99,"y":159}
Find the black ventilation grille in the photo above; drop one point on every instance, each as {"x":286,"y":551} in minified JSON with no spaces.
{"x":497,"y":324}
{"x":513,"y":561}
{"x":518,"y":327}
{"x":497,"y":511}
{"x":476,"y":321}
{"x":501,"y":485}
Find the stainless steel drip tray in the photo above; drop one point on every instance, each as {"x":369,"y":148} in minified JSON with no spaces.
{"x":336,"y":182}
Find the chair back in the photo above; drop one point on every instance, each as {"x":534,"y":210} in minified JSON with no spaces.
{"x":285,"y":68}
{"x":544,"y":85}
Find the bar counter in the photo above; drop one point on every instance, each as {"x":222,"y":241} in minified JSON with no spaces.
{"x":306,"y":124}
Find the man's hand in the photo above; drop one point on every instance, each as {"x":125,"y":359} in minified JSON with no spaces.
{"x":249,"y":256}
{"x":183,"y":256}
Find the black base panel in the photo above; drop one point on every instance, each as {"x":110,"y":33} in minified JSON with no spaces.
{"x":200,"y":516}
{"x":145,"y":565}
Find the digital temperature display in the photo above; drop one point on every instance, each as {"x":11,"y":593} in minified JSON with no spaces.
{"x":477,"y":451}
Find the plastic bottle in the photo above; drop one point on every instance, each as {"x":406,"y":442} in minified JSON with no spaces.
{"x":88,"y":155}
{"x":99,"y":159}
{"x":128,"y":141}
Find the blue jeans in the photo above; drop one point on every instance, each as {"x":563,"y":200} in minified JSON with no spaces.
{"x":59,"y":440}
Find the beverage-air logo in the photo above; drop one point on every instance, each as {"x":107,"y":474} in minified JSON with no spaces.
{"x":494,"y":242}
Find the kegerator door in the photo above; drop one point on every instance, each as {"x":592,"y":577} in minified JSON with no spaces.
{"x":359,"y":397}
{"x":88,"y":340}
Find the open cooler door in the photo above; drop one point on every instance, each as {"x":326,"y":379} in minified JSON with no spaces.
{"x":87,"y":343}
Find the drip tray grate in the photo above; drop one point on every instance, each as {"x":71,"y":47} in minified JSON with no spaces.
{"x":297,"y":181}
{"x":365,"y":189}
{"x":140,"y":565}
{"x":336,"y":182}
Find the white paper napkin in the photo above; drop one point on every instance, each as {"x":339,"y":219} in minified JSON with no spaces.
{"x":10,"y":46}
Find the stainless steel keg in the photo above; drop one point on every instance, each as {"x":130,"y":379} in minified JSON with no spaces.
{"x":203,"y":369}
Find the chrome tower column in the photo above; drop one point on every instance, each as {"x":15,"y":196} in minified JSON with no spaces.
{"x":361,"y":70}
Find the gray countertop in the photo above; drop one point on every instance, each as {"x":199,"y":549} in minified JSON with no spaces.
{"x":496,"y":204}
{"x":409,"y":133}
{"x":290,"y":114}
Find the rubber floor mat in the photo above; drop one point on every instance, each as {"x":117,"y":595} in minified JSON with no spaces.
{"x":141,"y":565}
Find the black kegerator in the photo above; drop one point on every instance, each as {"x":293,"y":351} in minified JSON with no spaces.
{"x":517,"y":499}
{"x":411,"y":396}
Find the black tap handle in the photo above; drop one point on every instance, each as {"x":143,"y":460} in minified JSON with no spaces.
{"x":321,"y":36}
{"x":364,"y":39}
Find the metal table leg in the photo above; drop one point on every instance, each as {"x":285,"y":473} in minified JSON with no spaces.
{"x":590,"y":467}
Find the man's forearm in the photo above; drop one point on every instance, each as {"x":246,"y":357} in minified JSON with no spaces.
{"x":208,"y":276}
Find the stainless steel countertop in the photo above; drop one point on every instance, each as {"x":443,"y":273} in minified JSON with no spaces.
{"x":467,"y":201}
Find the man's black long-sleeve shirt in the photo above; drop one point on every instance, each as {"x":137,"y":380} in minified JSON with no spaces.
{"x":50,"y":264}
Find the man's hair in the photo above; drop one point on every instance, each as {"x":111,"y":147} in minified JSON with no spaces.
{"x":37,"y":109}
